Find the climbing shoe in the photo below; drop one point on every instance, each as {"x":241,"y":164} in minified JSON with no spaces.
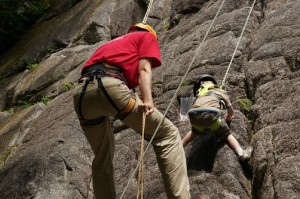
{"x":246,"y":153}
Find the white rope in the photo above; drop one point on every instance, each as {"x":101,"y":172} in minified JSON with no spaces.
{"x":147,"y":12}
{"x":174,"y":96}
{"x":237,"y":45}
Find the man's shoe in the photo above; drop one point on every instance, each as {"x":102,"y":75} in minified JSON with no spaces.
{"x":246,"y":153}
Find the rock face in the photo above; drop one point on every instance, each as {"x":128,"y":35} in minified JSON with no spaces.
{"x":44,"y":153}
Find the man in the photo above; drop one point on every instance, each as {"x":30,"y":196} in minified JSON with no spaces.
{"x":205,"y":115}
{"x":107,"y":77}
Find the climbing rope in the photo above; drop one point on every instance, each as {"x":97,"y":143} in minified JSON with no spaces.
{"x":140,"y":182}
{"x":232,"y":57}
{"x":174,"y":96}
{"x":147,"y":12}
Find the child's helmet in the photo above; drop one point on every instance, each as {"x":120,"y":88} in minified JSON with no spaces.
{"x":201,"y":79}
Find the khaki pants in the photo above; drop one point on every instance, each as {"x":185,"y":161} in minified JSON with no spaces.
{"x":203,"y":120}
{"x":167,"y":142}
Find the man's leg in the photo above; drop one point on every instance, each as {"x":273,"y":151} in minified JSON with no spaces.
{"x":101,"y":140}
{"x":100,"y":137}
{"x":169,"y":151}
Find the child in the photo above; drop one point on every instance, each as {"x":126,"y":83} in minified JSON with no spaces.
{"x":205,"y":114}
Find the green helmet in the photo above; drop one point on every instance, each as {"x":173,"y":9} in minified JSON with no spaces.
{"x":201,"y":79}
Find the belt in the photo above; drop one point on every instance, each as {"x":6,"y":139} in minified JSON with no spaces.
{"x":213,"y":127}
{"x":102,"y":70}
{"x":101,"y":67}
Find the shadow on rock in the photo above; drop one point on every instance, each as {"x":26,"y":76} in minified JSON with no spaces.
{"x":203,"y":152}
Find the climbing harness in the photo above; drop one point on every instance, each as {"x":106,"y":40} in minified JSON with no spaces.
{"x":213,"y":125}
{"x":205,"y":90}
{"x":98,"y":71}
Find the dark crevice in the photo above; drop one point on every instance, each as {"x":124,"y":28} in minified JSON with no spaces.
{"x":55,"y":46}
{"x":173,"y":23}
{"x":92,"y":35}
{"x":258,"y":178}
{"x":293,"y":61}
{"x":203,"y":152}
{"x":67,"y":166}
{"x":247,"y":169}
{"x":262,"y":7}
{"x":80,"y":192}
{"x":190,"y":10}
{"x":251,"y":114}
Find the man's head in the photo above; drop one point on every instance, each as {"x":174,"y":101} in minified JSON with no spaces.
{"x":142,"y":27}
{"x":203,"y":80}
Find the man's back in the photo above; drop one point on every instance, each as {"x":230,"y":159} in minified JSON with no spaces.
{"x":125,"y":52}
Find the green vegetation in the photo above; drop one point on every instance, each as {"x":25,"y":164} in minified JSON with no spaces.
{"x":16,"y":16}
{"x":5,"y":155}
{"x":31,"y":66}
{"x":167,"y":25}
{"x":245,"y":104}
{"x":45,"y":100}
{"x":185,"y":82}
{"x":23,"y":104}
{"x":68,"y":85}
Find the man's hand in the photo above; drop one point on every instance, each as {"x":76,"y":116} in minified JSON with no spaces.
{"x":147,"y":108}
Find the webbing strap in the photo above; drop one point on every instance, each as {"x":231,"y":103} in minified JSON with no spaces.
{"x":214,"y":126}
{"x":221,"y":102}
{"x":92,"y":122}
{"x":129,"y":106}
{"x":83,"y":121}
{"x":101,"y":87}
{"x":81,"y":96}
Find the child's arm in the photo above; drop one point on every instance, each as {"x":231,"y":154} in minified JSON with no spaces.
{"x":188,"y":138}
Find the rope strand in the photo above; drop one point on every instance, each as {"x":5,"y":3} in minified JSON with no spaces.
{"x":147,"y":12}
{"x":238,"y":43}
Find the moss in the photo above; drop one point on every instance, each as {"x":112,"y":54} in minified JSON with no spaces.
{"x":167,"y":25}
{"x":68,"y":85}
{"x":246,"y":108}
{"x":23,"y":104}
{"x":45,"y":99}
{"x":185,"y":83}
{"x":6,"y":155}
{"x":31,"y":66}
{"x":245,"y":104}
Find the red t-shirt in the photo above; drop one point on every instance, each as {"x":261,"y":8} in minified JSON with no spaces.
{"x":125,"y":52}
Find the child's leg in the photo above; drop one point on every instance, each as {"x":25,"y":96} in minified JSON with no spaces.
{"x":188,"y":138}
{"x":234,"y":144}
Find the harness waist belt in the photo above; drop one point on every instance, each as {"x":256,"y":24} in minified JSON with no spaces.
{"x":101,"y":67}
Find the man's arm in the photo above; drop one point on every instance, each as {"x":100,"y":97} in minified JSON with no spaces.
{"x":145,"y":84}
